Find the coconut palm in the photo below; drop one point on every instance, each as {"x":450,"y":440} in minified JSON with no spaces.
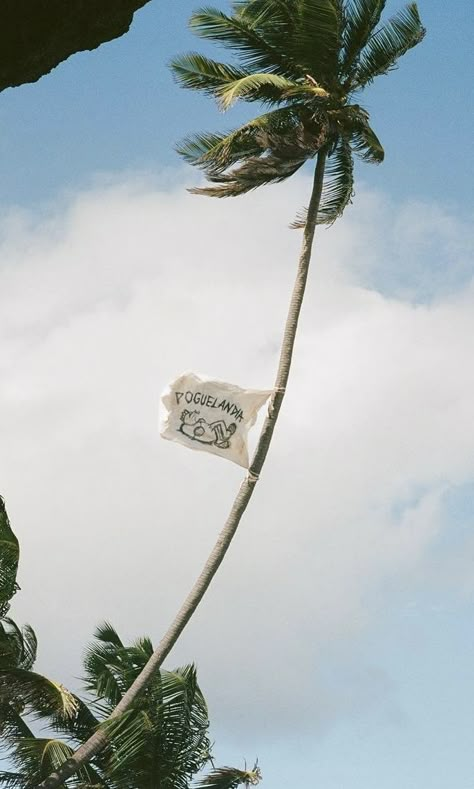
{"x":20,"y":687}
{"x":17,"y":645}
{"x":9,"y":555}
{"x":306,"y":62}
{"x":161,"y":743}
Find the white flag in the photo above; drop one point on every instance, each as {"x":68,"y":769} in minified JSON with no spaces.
{"x":210,"y":415}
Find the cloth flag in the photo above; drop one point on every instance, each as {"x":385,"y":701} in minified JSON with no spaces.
{"x":210,"y":415}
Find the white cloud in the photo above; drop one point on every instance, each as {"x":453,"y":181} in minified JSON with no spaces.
{"x":105,"y":301}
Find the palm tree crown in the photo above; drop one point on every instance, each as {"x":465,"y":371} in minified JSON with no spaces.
{"x":9,"y":555}
{"x":307,"y":61}
{"x":161,"y":743}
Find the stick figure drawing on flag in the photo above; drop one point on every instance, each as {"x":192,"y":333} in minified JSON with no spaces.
{"x":197,"y":429}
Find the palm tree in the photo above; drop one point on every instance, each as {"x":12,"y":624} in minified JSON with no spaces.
{"x":19,"y":685}
{"x":17,"y":644}
{"x":161,"y":743}
{"x":9,"y":555}
{"x":306,"y":61}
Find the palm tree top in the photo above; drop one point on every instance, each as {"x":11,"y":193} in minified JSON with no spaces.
{"x":306,"y":61}
{"x":9,"y":555}
{"x":161,"y":742}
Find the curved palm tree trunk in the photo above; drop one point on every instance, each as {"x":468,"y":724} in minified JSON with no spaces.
{"x":95,"y":743}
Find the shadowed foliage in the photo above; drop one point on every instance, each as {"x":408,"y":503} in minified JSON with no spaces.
{"x":9,"y":555}
{"x":161,"y":742}
{"x":20,"y":688}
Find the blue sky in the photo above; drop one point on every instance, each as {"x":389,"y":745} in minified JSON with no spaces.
{"x":337,"y":641}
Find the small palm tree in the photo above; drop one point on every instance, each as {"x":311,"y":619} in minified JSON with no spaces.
{"x":307,"y":62}
{"x":17,"y":645}
{"x":20,"y":687}
{"x":9,"y":555}
{"x":161,"y":743}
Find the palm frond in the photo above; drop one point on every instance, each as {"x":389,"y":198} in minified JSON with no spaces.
{"x":9,"y":780}
{"x":254,"y":87}
{"x":365,"y":144}
{"x":108,"y":634}
{"x":11,"y":644}
{"x":77,"y":725}
{"x":388,"y":44}
{"x":214,"y":153}
{"x":254,"y":172}
{"x":306,"y":33}
{"x":128,"y":734}
{"x":230,"y":778}
{"x":171,"y":721}
{"x":38,"y":694}
{"x":338,"y":183}
{"x":361,"y":18}
{"x":144,"y":647}
{"x":299,"y":222}
{"x":37,"y":757}
{"x":242,"y":36}
{"x":261,"y":12}
{"x":108,"y":669}
{"x":11,"y":723}
{"x":9,"y":555}
{"x":18,"y":646}
{"x":316,"y":40}
{"x":337,"y":187}
{"x":266,"y":150}
{"x":30,"y":647}
{"x":198,"y":72}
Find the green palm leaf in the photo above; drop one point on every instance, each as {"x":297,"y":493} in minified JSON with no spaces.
{"x":337,"y":188}
{"x":39,"y":694}
{"x":230,"y":778}
{"x":260,"y":12}
{"x":338,"y":184}
{"x":12,"y":724}
{"x":388,"y":44}
{"x":316,"y":40}
{"x":129,"y":735}
{"x":30,"y":647}
{"x":172,"y":720}
{"x":366,"y":144}
{"x":215,"y":153}
{"x":254,"y":172}
{"x":254,"y":87}
{"x":361,"y":17}
{"x":36,"y":757}
{"x":108,"y":634}
{"x":10,"y":780}
{"x":11,"y":644}
{"x":198,"y":72}
{"x":18,"y":646}
{"x":107,"y":667}
{"x":306,"y":32}
{"x":9,"y":555}
{"x":77,"y":725}
{"x":241,"y":36}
